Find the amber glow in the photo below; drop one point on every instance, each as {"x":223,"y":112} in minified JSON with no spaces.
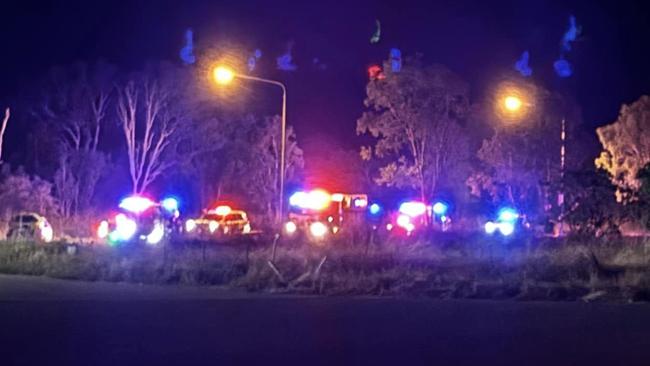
{"x":223,"y":75}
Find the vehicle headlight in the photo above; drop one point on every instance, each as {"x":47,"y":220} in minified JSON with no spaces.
{"x":157,"y":234}
{"x":102,"y":230}
{"x":125,"y":227}
{"x":506,"y":228}
{"x":213,"y":226}
{"x":247,"y":228}
{"x":190,"y":225}
{"x":290,"y":227}
{"x":403,"y":221}
{"x":490,"y":227}
{"x":47,"y":234}
{"x":318,"y":229}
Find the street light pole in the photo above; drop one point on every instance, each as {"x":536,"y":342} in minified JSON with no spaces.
{"x":283,"y":134}
{"x":562,"y":168}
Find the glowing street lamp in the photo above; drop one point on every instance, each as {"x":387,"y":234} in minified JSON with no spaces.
{"x":512,"y":103}
{"x":224,"y":75}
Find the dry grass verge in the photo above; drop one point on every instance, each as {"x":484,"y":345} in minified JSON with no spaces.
{"x":468,"y":268}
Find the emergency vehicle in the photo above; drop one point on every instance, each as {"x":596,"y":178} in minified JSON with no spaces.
{"x":221,"y":222}
{"x":140,"y":220}
{"x":317,"y":214}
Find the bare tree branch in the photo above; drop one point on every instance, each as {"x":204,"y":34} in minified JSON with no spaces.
{"x":5,"y":120}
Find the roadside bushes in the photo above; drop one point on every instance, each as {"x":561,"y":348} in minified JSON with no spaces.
{"x":548,"y":269}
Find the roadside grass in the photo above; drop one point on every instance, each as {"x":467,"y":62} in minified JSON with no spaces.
{"x":543,"y":269}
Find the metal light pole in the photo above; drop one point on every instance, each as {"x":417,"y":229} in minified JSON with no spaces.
{"x":560,"y":199}
{"x":224,"y":75}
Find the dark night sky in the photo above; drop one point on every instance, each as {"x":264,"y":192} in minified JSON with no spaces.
{"x":478,"y":39}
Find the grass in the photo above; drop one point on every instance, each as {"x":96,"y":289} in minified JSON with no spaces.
{"x":451,"y":268}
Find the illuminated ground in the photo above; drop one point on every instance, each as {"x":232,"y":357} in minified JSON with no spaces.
{"x":48,"y":322}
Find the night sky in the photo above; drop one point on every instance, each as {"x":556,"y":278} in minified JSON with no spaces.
{"x":479,"y":40}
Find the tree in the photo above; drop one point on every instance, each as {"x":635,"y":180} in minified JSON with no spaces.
{"x":20,"y":192}
{"x":330,"y":166}
{"x":255,"y":166}
{"x":73,"y":107}
{"x":152,"y":113}
{"x":626,"y":147}
{"x":639,"y":210}
{"x":416,"y":117}
{"x":590,"y":202}
{"x":207,"y":142}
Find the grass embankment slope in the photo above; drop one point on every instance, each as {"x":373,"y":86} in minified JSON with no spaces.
{"x":612,"y":269}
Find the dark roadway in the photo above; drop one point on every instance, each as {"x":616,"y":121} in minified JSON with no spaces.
{"x":54,"y":322}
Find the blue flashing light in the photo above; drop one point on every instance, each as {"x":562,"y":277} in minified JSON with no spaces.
{"x":170,"y":204}
{"x":374,"y":209}
{"x":440,"y":209}
{"x":508,"y":214}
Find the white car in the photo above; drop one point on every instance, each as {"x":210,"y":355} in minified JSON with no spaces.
{"x":30,"y":226}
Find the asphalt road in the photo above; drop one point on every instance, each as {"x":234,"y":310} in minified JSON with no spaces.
{"x":55,"y":322}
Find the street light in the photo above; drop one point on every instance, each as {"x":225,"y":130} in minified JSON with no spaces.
{"x":512,"y":103}
{"x":224,"y":75}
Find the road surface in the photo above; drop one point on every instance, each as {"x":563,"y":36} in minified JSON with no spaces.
{"x":55,"y":322}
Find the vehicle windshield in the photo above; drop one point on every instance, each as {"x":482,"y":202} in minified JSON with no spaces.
{"x":25,"y":218}
{"x":235,"y":217}
{"x":212,"y":217}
